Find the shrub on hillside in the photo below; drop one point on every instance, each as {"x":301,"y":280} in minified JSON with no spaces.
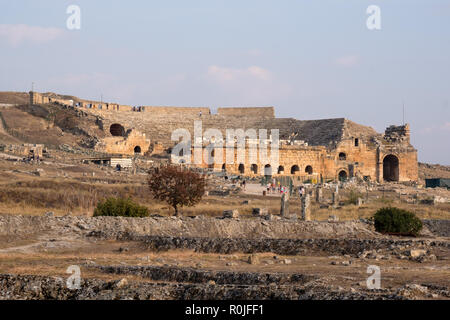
{"x":120,"y":207}
{"x":397,"y":221}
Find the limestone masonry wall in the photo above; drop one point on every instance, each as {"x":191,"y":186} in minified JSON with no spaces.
{"x":313,"y":150}
{"x":250,"y":112}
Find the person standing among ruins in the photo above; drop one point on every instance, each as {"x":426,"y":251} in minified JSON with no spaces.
{"x":300,"y":191}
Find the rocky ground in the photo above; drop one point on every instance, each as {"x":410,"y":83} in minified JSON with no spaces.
{"x":47,"y":228}
{"x":216,"y":258}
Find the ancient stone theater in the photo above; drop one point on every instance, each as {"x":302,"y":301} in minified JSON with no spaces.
{"x":317,"y":150}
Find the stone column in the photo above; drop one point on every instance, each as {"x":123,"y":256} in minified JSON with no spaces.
{"x":305,"y":209}
{"x":360,"y":202}
{"x":284,"y":210}
{"x":334,"y":198}
{"x":319,"y":194}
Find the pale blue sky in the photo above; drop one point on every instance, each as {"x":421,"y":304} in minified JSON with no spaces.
{"x":309,"y":59}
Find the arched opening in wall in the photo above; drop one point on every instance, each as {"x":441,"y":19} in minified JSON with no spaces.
{"x":241,"y":168}
{"x":117,"y":130}
{"x":309,"y":170}
{"x":137,"y":150}
{"x":254,"y":168}
{"x":224,"y":168}
{"x":267,"y":170}
{"x":342,"y":175}
{"x":390,"y":168}
{"x":280,"y":170}
{"x":342,"y":156}
{"x":295,"y":169}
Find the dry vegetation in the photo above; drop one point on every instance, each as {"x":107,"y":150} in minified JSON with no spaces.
{"x":79,"y":195}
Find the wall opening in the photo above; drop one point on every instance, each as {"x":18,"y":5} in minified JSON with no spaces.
{"x":117,"y":130}
{"x":309,"y":170}
{"x":342,"y":175}
{"x":356,"y":142}
{"x":137,"y":149}
{"x":295,"y":169}
{"x":224,"y":168}
{"x":254,"y":168}
{"x":390,"y":168}
{"x":342,"y":156}
{"x":267,"y":170}
{"x":280,"y":170}
{"x":241,"y":168}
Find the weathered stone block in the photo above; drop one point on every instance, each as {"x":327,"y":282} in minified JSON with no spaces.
{"x":231,"y":214}
{"x":258,"y":212}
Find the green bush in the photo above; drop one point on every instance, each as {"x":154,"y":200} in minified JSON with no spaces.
{"x":398,"y":221}
{"x":120,"y":207}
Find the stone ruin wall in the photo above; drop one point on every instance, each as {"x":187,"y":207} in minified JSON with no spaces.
{"x":326,"y":165}
{"x":268,"y":112}
{"x":363,"y":161}
{"x":132,"y":143}
{"x":154,"y":125}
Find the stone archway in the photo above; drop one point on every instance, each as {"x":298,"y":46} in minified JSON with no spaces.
{"x":342,"y":175}
{"x":254,"y":168}
{"x":137,"y":150}
{"x":117,"y":130}
{"x":308,"y":170}
{"x":295,"y":169}
{"x":241,"y":168}
{"x":280,"y":170}
{"x":390,"y":168}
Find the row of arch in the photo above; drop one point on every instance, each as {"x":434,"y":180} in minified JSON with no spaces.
{"x":390,"y":169}
{"x":295,"y":169}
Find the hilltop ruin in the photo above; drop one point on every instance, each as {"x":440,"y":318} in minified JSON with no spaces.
{"x":318,"y":150}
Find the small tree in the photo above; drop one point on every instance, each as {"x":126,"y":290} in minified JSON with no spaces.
{"x":177,"y":186}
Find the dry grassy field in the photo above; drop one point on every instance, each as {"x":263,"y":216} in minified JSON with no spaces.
{"x":47,"y":246}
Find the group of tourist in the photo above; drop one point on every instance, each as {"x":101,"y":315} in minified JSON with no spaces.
{"x":276,"y":188}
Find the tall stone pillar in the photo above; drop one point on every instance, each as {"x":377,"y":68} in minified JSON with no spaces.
{"x":319,"y":194}
{"x":334,"y":198}
{"x":284,"y":210}
{"x":305,"y":209}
